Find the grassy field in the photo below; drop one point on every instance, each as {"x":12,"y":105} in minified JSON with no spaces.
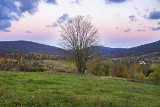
{"x":62,"y":89}
{"x":60,"y":63}
{"x":61,"y":66}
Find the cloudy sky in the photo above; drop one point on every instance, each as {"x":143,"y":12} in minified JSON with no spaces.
{"x":121,"y":23}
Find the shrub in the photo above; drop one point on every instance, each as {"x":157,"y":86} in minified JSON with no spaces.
{"x":140,"y":76}
{"x":119,"y":70}
{"x":68,"y":69}
{"x":106,"y":67}
{"x":157,"y":69}
{"x":154,"y":77}
{"x":32,"y":66}
{"x":94,"y":66}
{"x":59,"y":69}
{"x":146,"y":69}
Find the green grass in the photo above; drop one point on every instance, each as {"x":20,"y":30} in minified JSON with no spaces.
{"x":60,"y":63}
{"x":61,"y":66}
{"x":62,"y":89}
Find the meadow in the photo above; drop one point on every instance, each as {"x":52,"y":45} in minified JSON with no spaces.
{"x":40,"y":89}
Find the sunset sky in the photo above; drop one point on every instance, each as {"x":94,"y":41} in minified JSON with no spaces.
{"x":121,"y":23}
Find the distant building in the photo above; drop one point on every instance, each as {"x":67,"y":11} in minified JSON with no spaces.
{"x":142,"y":62}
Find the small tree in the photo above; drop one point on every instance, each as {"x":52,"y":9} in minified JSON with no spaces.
{"x":80,"y":37}
{"x":106,"y":67}
{"x":94,"y":66}
{"x":119,"y":70}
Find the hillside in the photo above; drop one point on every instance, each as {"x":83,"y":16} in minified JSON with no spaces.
{"x":147,"y":49}
{"x":62,"y":89}
{"x":27,"y":46}
{"x":106,"y":52}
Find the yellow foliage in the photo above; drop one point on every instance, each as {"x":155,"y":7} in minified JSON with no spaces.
{"x":140,"y":76}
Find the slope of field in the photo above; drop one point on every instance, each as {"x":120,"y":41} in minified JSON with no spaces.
{"x":62,"y":89}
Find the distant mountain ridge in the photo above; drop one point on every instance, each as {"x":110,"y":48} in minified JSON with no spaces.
{"x":28,"y":46}
{"x":108,"y":49}
{"x":149,"y":48}
{"x":107,"y":52}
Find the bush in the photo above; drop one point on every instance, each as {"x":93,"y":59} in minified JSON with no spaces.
{"x":120,"y":70}
{"x":93,"y":66}
{"x":157,"y":69}
{"x":59,"y":69}
{"x":64,"y":69}
{"x":154,"y":77}
{"x":106,"y":67}
{"x":140,"y":76}
{"x":32,"y":66}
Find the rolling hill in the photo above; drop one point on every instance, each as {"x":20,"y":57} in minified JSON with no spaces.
{"x":147,"y":49}
{"x":27,"y":46}
{"x":106,"y":52}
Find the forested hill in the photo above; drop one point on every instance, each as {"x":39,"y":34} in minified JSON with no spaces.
{"x":106,"y":52}
{"x":27,"y":46}
{"x":146,"y":49}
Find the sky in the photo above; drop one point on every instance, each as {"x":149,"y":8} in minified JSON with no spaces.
{"x":121,"y":23}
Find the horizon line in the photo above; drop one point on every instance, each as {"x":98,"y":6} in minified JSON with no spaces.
{"x":60,"y":47}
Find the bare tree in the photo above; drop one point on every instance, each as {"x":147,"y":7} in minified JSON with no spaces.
{"x":79,"y":36}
